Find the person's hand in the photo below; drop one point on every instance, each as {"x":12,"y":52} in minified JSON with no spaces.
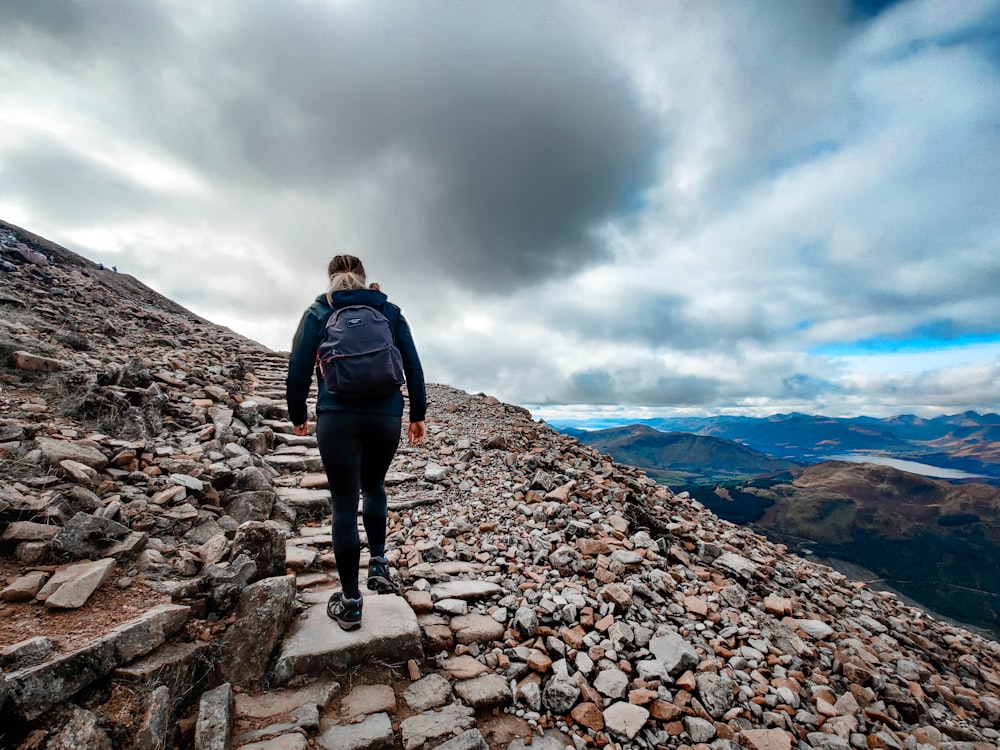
{"x":416,"y":433}
{"x":301,"y":429}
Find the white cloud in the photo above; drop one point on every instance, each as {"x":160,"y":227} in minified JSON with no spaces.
{"x":651,"y":205}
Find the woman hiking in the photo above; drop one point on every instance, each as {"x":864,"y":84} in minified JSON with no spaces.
{"x":359,"y":412}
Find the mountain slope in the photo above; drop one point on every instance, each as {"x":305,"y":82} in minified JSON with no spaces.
{"x":551,"y":594}
{"x":679,"y":458}
{"x":934,"y":541}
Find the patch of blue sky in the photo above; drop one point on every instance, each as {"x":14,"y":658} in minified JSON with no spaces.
{"x":810,"y":153}
{"x":926,"y":342}
{"x":865,"y":10}
{"x":983,"y":37}
{"x":812,"y":254}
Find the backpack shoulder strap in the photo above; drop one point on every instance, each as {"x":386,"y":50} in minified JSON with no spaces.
{"x":391,"y":313}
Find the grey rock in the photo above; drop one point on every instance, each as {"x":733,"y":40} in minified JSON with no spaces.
{"x":734,"y":595}
{"x":88,"y":536}
{"x":526,"y":621}
{"x":433,"y":726}
{"x":716,"y":692}
{"x":612,"y":683}
{"x":251,"y":506}
{"x":248,"y":412}
{"x":262,"y":615}
{"x":471,"y":739}
{"x":736,"y":565}
{"x":816,"y":629}
{"x":542,"y":481}
{"x":374,"y":733}
{"x":625,"y":719}
{"x":292,"y":463}
{"x":214,"y":728}
{"x":475,"y":628}
{"x":428,"y":692}
{"x":26,"y":653}
{"x":560,"y":694}
{"x":176,"y":666}
{"x":313,"y":645}
{"x":252,"y":479}
{"x":824,"y":741}
{"x":53,"y":451}
{"x":466,"y":590}
{"x":264,"y":543}
{"x":72,"y":585}
{"x":225,"y":584}
{"x":698,"y":729}
{"x":80,"y":729}
{"x":567,"y":560}
{"x":434,"y":472}
{"x":552,"y":739}
{"x":484,"y":692}
{"x":154,"y":729}
{"x":306,"y":719}
{"x":531,"y":695}
{"x":186,"y":481}
{"x":311,"y":503}
{"x":673,"y":651}
{"x":34,"y":690}
{"x":293,"y":741}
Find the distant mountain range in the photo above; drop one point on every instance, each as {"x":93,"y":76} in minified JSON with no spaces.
{"x":968,"y":442}
{"x":681,"y":458}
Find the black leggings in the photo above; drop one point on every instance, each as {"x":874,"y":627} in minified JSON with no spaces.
{"x":356,"y":450}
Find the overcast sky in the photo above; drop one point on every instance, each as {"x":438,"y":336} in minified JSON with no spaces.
{"x":640,"y":207}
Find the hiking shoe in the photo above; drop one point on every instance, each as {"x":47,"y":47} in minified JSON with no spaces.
{"x":379,"y":579}
{"x":346,"y":612}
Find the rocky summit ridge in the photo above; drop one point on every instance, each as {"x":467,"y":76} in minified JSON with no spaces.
{"x":166,"y":562}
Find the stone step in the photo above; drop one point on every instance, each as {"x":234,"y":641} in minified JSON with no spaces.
{"x":294,"y":463}
{"x":315,"y":644}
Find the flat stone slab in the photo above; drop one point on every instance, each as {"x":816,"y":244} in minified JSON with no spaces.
{"x":464,"y":590}
{"x":292,"y":463}
{"x":374,"y":733}
{"x":315,"y":644}
{"x":72,"y":585}
{"x":305,"y":498}
{"x":284,"y":702}
{"x":34,"y":690}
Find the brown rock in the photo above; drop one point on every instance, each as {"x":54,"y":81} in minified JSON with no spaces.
{"x":765,"y":739}
{"x":36,"y":363}
{"x":592,"y":547}
{"x":463,"y":667}
{"x":661,"y":710}
{"x":539,"y":661}
{"x":588,"y":715}
{"x":616,"y":595}
{"x":641,"y":696}
{"x":419,"y":601}
{"x":476,"y":629}
{"x":573,"y":637}
{"x":778,"y":605}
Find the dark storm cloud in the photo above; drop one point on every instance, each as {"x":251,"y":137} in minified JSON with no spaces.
{"x":524,"y":138}
{"x":51,"y":177}
{"x":600,"y":386}
{"x":656,"y":320}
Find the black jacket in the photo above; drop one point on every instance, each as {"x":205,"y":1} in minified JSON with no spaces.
{"x":302,"y":363}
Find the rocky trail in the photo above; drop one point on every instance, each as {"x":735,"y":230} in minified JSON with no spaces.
{"x":166,"y":562}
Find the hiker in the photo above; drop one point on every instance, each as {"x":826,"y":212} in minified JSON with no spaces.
{"x":357,"y":431}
